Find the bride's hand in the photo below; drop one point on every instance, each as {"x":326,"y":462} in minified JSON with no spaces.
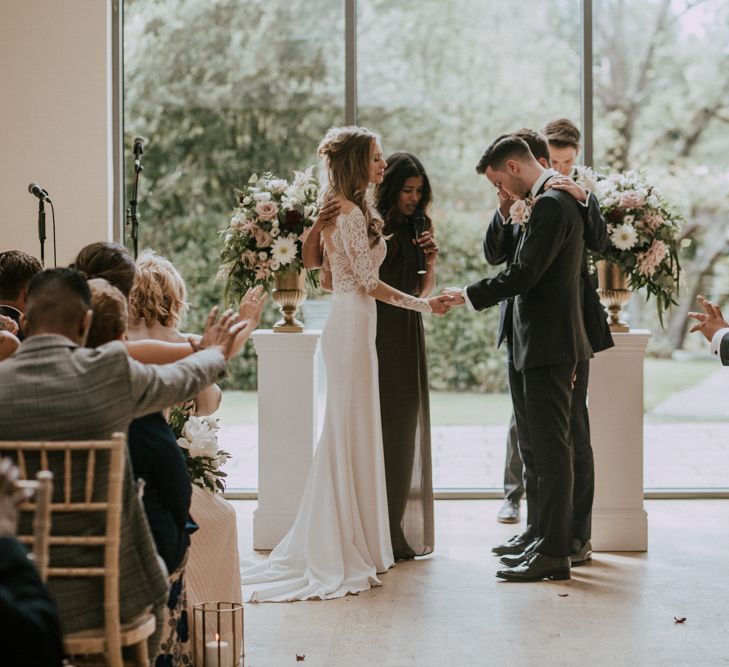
{"x":440,"y":304}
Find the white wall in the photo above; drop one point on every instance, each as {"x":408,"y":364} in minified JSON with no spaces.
{"x":55,"y":122}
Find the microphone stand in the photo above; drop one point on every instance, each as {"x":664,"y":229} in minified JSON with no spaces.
{"x":132,"y":210}
{"x":42,"y":229}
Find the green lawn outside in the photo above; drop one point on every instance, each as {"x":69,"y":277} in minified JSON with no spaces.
{"x":663,"y":377}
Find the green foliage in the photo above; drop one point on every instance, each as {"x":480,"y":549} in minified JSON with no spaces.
{"x":462,"y":352}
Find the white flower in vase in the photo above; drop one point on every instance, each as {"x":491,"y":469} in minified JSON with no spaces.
{"x":283,"y":249}
{"x":624,"y":236}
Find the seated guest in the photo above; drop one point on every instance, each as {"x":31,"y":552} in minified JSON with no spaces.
{"x":113,"y":263}
{"x":9,"y":341}
{"x":30,"y":634}
{"x":16,"y":270}
{"x":53,"y":388}
{"x":109,"y":261}
{"x":156,"y":457}
{"x":157,"y":302}
{"x":157,"y":460}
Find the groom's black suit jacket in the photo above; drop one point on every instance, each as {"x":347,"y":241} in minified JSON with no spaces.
{"x":500,"y":245}
{"x":544,"y":278}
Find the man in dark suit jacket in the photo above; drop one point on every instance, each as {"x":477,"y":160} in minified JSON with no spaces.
{"x":16,"y":270}
{"x":549,"y":339}
{"x":500,"y":246}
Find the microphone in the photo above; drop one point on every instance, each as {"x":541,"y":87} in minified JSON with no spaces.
{"x":138,"y":150}
{"x":419,"y":224}
{"x":39,"y":192}
{"x":138,"y":145}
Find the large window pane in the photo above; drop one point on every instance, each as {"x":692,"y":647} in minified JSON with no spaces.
{"x":442,"y":80}
{"x":223,"y":89}
{"x":661,"y":104}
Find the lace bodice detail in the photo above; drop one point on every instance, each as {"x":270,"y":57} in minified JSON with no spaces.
{"x":355,"y":263}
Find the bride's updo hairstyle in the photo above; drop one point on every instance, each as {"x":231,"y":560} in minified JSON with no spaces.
{"x":346,"y":153}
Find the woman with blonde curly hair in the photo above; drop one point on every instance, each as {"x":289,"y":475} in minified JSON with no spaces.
{"x":340,"y":539}
{"x":157,"y":302}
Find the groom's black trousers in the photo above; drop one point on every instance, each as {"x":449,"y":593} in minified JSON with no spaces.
{"x":542,"y":399}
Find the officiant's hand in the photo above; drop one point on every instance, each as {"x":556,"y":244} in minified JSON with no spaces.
{"x":456,"y":294}
{"x":427,"y":243}
{"x":710,"y":321}
{"x":569,"y":186}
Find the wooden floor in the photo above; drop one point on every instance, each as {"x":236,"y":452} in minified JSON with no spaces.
{"x":448,"y":610}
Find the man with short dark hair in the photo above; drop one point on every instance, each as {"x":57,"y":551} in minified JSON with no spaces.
{"x":53,"y":388}
{"x":16,"y":270}
{"x":564,"y":144}
{"x":499,"y":246}
{"x":549,"y":340}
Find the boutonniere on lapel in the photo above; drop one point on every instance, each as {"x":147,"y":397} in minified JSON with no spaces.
{"x":520,"y":210}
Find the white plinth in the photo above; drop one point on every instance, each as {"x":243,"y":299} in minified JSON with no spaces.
{"x":619,"y":522}
{"x":287,"y":428}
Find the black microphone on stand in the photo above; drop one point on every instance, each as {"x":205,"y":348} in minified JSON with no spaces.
{"x":37,"y":191}
{"x":132,"y":210}
{"x":419,"y":224}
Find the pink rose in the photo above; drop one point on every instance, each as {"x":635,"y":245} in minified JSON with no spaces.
{"x":263,"y":238}
{"x":267,"y":210}
{"x":519,"y":212}
{"x":631,"y":199}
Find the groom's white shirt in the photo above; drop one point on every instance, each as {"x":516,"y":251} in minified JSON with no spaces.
{"x":716,"y":340}
{"x":546,"y":175}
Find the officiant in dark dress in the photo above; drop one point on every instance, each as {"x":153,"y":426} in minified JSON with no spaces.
{"x":403,"y":199}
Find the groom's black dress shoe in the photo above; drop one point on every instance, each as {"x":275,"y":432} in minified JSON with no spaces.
{"x":581,"y":552}
{"x":537,"y":567}
{"x":515,"y":545}
{"x":518,"y":559}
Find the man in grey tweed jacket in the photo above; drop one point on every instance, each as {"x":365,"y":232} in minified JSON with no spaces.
{"x":53,"y":388}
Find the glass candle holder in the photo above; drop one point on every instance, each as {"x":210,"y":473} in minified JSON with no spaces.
{"x":217,"y":634}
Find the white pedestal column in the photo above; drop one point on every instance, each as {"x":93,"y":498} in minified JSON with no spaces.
{"x":619,"y":522}
{"x":287,"y":428}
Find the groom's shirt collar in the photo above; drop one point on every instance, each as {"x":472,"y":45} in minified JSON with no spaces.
{"x":546,"y":175}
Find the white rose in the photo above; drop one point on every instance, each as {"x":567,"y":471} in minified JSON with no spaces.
{"x":202,"y":439}
{"x":262,"y":196}
{"x":630,"y":219}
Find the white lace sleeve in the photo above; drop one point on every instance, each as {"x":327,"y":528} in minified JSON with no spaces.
{"x":357,"y":248}
{"x":410,"y":302}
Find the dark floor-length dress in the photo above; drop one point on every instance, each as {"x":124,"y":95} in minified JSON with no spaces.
{"x":404,"y":404}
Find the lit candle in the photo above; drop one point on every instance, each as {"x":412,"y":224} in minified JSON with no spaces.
{"x":215,"y":657}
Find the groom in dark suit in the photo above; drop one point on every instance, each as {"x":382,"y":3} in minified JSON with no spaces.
{"x":549,"y":340}
{"x":500,"y":246}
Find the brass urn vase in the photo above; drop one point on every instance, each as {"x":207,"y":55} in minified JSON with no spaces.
{"x":613,"y":292}
{"x":289,"y":293}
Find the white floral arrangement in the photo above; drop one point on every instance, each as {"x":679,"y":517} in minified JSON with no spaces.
{"x":198,"y":438}
{"x":267,"y":230}
{"x":644,"y":231}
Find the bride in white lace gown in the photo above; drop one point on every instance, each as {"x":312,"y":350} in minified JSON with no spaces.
{"x":340,"y":539}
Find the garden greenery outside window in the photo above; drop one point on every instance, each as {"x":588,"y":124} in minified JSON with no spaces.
{"x":226,"y":88}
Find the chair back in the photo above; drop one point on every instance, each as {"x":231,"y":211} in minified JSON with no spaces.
{"x":38,"y":501}
{"x":81,"y":490}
